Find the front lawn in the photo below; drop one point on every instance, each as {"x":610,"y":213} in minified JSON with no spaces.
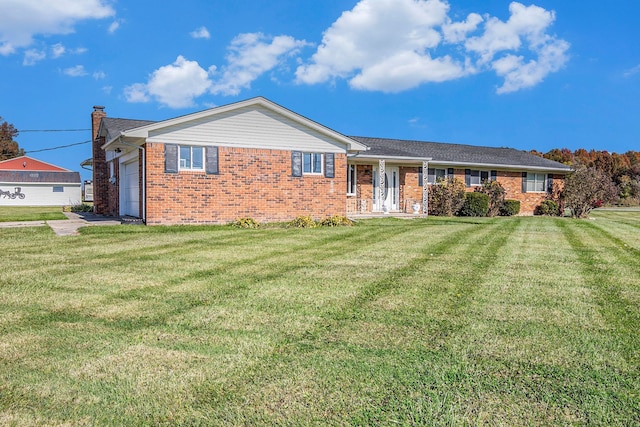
{"x":504,"y":321}
{"x":30,"y":213}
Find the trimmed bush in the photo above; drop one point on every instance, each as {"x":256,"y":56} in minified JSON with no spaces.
{"x":246,"y":223}
{"x":475,"y":204}
{"x":446,"y":197}
{"x":496,"y":193}
{"x":548,"y":207}
{"x":336,"y":221}
{"x":303,"y":222}
{"x":510,"y":208}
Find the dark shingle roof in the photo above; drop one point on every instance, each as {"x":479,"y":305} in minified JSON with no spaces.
{"x":115,"y":126}
{"x":455,"y":153}
{"x":39,"y":177}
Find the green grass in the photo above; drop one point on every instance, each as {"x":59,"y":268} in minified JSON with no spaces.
{"x":504,"y":321}
{"x":30,"y":213}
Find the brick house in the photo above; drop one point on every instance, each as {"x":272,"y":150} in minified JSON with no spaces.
{"x":257,"y":159}
{"x":25,"y":181}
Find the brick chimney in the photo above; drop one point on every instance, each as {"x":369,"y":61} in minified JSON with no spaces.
{"x":100,"y":169}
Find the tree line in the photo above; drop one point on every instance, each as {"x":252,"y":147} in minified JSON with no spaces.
{"x":621,"y":170}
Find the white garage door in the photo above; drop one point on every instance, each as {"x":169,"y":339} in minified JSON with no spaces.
{"x":131,"y":189}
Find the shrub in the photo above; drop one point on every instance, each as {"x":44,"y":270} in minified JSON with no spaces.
{"x":303,"y":222}
{"x":446,"y":197}
{"x":496,"y":193}
{"x":336,"y":221}
{"x":586,"y":188}
{"x":548,"y":208}
{"x":510,"y":208}
{"x":246,"y":223}
{"x":475,"y":204}
{"x":80,"y":207}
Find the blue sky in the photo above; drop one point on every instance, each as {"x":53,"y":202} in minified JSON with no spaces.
{"x":529,"y":75}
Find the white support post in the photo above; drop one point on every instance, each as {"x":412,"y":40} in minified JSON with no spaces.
{"x":425,"y":187}
{"x":381,"y":183}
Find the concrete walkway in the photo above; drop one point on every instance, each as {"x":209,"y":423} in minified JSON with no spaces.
{"x":67,"y":227}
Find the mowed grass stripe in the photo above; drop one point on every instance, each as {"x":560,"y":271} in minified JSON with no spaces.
{"x":327,"y":331}
{"x":612,"y":270}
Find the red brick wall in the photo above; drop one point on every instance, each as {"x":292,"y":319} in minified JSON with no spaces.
{"x":254,"y":183}
{"x":113,"y":191}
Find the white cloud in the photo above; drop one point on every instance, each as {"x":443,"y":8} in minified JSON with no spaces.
{"x":114,"y":26}
{"x":77,"y":71}
{"x":396,"y":45}
{"x":250,"y":56}
{"x":632,"y":71}
{"x":57,"y":50}
{"x":21,"y":21}
{"x":32,"y":56}
{"x":136,"y":92}
{"x":175,"y":85}
{"x":200,"y":33}
{"x":99,"y":75}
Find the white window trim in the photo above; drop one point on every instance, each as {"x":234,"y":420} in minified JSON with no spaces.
{"x":352,"y":184}
{"x":321,"y":163}
{"x":191,"y":147}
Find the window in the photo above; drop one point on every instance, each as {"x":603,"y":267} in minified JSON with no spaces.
{"x":191,"y":158}
{"x":351,"y":179}
{"x":312,"y":163}
{"x":58,"y":189}
{"x":435,"y":175}
{"x":536,"y":182}
{"x":475,"y":178}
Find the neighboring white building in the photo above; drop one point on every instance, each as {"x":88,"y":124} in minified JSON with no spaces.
{"x":25,"y":181}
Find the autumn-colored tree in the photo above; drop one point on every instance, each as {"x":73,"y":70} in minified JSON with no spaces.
{"x":8,"y":147}
{"x":496,"y":193}
{"x":446,"y":197}
{"x":587,"y":188}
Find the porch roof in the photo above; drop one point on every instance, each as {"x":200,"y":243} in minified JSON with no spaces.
{"x":455,"y":154}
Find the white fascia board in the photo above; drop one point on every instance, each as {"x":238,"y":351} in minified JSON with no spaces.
{"x":391,"y":158}
{"x":143,"y":131}
{"x":505,"y":167}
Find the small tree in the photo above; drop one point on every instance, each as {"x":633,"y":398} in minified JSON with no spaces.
{"x":496,"y":194}
{"x":446,"y":197}
{"x":585,"y":189}
{"x":8,"y":147}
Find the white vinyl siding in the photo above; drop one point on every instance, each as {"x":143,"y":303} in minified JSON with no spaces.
{"x":250,"y":127}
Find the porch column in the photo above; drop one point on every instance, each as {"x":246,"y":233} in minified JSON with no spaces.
{"x":425,"y":187}
{"x":381,"y":182}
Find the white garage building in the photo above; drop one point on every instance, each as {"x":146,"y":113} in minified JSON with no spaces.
{"x":25,"y":181}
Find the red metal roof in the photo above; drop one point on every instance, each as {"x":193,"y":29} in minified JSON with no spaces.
{"x":25,"y":163}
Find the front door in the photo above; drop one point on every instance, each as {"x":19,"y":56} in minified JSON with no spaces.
{"x":390,"y":199}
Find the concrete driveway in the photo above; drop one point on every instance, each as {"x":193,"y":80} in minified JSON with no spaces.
{"x":67,"y":227}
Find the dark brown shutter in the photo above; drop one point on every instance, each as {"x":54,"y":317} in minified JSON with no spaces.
{"x":450,"y":173}
{"x":494,"y":175}
{"x":524,"y":182}
{"x":170,"y":158}
{"x":420,"y":176}
{"x":329,"y":165}
{"x":550,"y":183}
{"x":212,"y":160}
{"x":467,"y":177}
{"x":296,"y":163}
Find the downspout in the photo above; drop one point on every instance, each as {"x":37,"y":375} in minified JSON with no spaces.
{"x":144,"y":175}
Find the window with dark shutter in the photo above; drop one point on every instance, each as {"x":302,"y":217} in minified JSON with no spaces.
{"x":329,"y":165}
{"x":170,"y":158}
{"x":212,"y":160}
{"x":296,"y":163}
